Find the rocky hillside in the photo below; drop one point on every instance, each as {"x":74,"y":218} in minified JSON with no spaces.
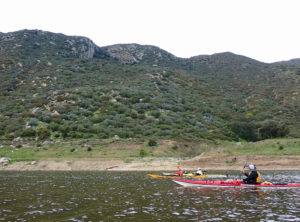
{"x":55,"y":86}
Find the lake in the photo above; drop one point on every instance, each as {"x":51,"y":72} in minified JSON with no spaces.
{"x":132,"y":196}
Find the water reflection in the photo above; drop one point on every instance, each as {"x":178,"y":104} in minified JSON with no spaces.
{"x":127,"y":196}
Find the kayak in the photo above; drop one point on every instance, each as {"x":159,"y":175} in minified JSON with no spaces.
{"x":233,"y":183}
{"x":190,"y":175}
{"x":186,"y":174}
{"x":175,"y":176}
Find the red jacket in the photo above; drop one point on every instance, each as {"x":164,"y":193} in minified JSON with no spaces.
{"x":179,"y":173}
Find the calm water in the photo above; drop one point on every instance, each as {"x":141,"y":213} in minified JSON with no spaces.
{"x":132,"y":196}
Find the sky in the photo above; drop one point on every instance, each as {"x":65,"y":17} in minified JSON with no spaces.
{"x":265,"y":30}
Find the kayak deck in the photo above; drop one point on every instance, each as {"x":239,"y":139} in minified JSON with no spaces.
{"x":232,"y":183}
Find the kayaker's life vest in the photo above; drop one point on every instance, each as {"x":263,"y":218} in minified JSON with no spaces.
{"x":258,"y":178}
{"x":252,"y":178}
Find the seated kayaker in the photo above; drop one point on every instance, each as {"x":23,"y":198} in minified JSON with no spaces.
{"x":199,"y":172}
{"x":179,"y":173}
{"x":185,"y":171}
{"x":253,"y":177}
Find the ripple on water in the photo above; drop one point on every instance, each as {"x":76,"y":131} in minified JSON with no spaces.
{"x":69,"y":195}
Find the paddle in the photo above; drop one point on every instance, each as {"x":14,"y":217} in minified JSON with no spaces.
{"x":246,"y":163}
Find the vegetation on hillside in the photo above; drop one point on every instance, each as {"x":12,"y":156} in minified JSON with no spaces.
{"x":54,"y":86}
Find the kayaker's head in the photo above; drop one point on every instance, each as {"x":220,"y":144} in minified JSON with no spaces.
{"x":199,"y":168}
{"x":252,"y":167}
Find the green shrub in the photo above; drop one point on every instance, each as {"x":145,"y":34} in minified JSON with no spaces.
{"x":29,"y":132}
{"x":175,"y":147}
{"x":155,"y":114}
{"x":10,"y":136}
{"x":33,"y":122}
{"x":43,"y":133}
{"x":74,"y":134}
{"x":152,"y":142}
{"x":133,"y":115}
{"x":54,"y":126}
{"x":64,"y":130}
{"x":142,"y":152}
{"x":56,"y":119}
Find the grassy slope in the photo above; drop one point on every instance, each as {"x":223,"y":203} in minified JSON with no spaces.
{"x":130,"y":149}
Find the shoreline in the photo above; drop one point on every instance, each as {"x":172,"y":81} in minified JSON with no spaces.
{"x":286,"y":162}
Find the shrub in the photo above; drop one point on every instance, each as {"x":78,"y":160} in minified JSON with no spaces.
{"x":175,"y":147}
{"x":43,"y":133}
{"x":152,"y":142}
{"x":142,"y":152}
{"x":64,"y":130}
{"x":155,"y":114}
{"x":10,"y":136}
{"x":33,"y":122}
{"x":75,"y":134}
{"x":56,"y":119}
{"x":29,"y":132}
{"x":54,"y":126}
{"x":133,"y":115}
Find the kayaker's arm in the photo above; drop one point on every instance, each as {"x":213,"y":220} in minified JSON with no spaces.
{"x":243,"y":172}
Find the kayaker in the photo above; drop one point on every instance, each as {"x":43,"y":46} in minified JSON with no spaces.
{"x":185,"y":171}
{"x":199,"y":172}
{"x":253,"y":177}
{"x":179,"y":172}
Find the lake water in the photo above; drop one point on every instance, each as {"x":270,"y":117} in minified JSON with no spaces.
{"x":132,"y":196}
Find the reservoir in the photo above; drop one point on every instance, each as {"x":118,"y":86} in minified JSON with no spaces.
{"x":133,"y":196}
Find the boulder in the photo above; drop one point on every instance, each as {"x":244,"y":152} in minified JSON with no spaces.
{"x":4,"y":160}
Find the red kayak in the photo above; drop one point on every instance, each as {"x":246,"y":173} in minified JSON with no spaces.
{"x":233,"y":183}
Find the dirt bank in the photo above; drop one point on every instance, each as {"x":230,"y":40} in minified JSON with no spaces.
{"x":158,"y":164}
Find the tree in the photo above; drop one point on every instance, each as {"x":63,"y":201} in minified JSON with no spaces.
{"x":271,"y":129}
{"x":244,"y":130}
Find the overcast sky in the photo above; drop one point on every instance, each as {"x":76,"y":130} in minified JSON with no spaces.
{"x":266,"y":30}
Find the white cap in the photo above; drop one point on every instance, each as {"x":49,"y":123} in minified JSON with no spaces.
{"x":252,"y":167}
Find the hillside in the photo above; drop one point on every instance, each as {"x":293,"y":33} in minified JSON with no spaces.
{"x":60,"y":86}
